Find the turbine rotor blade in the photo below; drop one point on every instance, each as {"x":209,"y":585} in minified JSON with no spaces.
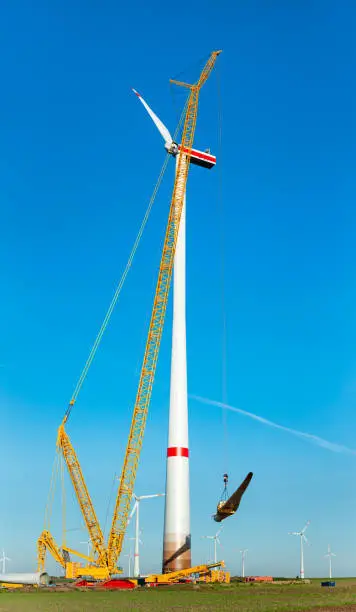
{"x":132,"y":511}
{"x":305,"y":526}
{"x":158,"y":123}
{"x":151,"y":496}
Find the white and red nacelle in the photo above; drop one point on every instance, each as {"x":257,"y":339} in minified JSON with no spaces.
{"x":199,"y":158}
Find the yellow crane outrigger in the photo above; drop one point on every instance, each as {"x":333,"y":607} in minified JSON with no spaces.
{"x":106,"y":557}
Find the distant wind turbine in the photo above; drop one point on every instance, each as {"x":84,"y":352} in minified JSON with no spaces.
{"x":3,"y":560}
{"x":216,"y":540}
{"x":89,"y":545}
{"x":130,"y":556}
{"x":303,"y":538}
{"x":136,"y":508}
{"x":243,"y":554}
{"x":329,"y":554}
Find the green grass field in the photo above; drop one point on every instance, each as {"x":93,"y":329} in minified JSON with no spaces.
{"x":242,"y":597}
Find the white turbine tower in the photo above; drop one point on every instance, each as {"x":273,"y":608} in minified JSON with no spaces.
{"x":136,"y":508}
{"x":303,"y":538}
{"x":176,"y":539}
{"x":330,"y":555}
{"x":243,"y":555}
{"x":3,"y":560}
{"x":216,"y":540}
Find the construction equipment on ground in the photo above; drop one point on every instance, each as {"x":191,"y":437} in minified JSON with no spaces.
{"x":192,"y":573}
{"x":103,"y":564}
{"x":211,"y":572}
{"x":215,"y":575}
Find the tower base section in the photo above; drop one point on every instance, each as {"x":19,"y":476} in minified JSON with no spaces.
{"x":176,"y":553}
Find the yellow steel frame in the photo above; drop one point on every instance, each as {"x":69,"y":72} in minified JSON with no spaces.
{"x":71,"y":551}
{"x":175,"y":576}
{"x":143,"y":397}
{"x":82,"y":494}
{"x":44,"y":542}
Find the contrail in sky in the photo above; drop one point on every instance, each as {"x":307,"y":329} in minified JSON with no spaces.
{"x":331,"y":446}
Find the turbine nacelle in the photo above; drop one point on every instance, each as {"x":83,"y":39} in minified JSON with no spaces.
{"x":214,"y":537}
{"x":199,"y":158}
{"x":328,"y":554}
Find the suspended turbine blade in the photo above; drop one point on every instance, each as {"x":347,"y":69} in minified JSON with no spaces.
{"x":158,"y":123}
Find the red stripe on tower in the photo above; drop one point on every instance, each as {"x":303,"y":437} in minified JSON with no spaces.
{"x":177,"y":451}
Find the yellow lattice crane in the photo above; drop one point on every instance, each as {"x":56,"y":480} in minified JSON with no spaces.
{"x":143,"y":397}
{"x":98,"y":565}
{"x":104,"y":561}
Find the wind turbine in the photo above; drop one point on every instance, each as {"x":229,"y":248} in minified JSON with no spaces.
{"x":3,"y":560}
{"x":129,"y":555}
{"x":199,"y":158}
{"x":243,"y":554}
{"x":176,"y":539}
{"x":329,"y":554}
{"x":303,"y":538}
{"x":216,"y":540}
{"x":136,"y":508}
{"x":89,"y":545}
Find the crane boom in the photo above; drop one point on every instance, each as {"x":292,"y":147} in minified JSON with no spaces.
{"x":44,"y":542}
{"x":82,"y":494}
{"x":144,"y":392}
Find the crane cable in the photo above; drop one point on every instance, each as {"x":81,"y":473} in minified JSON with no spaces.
{"x":121,"y":282}
{"x":51,"y":493}
{"x":222,"y":281}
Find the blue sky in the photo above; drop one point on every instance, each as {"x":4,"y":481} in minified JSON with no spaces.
{"x":78,"y":162}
